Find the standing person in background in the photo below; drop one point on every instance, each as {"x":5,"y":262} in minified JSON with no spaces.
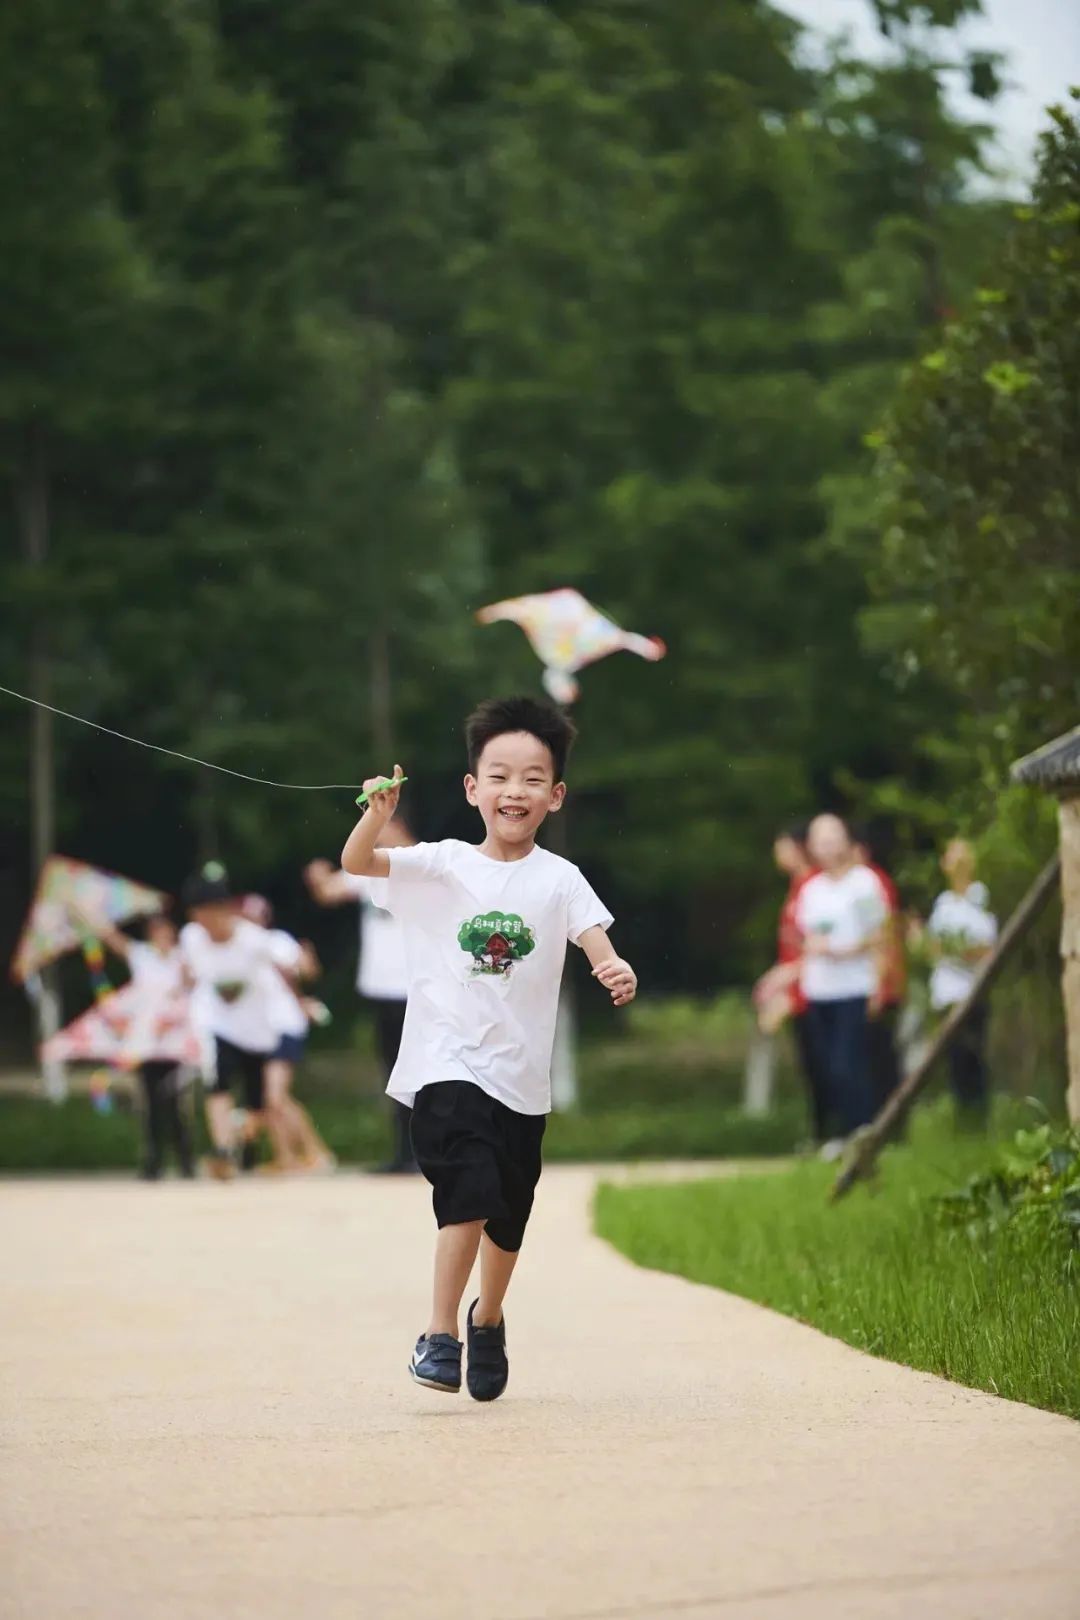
{"x":778,"y":993}
{"x":962,"y":931}
{"x":888,"y":998}
{"x":157,"y":973}
{"x":839,"y":913}
{"x":297,"y":1143}
{"x":382,"y":977}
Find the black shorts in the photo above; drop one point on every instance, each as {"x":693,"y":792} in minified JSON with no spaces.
{"x":482,"y":1159}
{"x":239,"y":1071}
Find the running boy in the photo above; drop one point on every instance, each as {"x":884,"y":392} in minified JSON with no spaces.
{"x":485,"y":935}
{"x":232,"y":966}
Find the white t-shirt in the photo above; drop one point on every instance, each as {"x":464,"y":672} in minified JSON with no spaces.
{"x":159,"y":976}
{"x":382,"y":974}
{"x":485,"y":943}
{"x":234,"y":996}
{"x":965,"y":919}
{"x":845,"y":910}
{"x":288,"y":1016}
{"x":159,"y":985}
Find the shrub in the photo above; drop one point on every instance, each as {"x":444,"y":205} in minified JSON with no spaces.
{"x":1034,"y":1184}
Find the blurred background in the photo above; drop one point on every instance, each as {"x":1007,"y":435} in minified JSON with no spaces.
{"x":326,"y":325}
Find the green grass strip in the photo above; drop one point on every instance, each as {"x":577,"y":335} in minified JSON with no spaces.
{"x":39,"y":1136}
{"x":881,"y":1270}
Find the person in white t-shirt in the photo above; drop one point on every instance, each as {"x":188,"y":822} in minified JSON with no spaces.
{"x":296,"y":1141}
{"x":157,"y":973}
{"x":839,"y":913}
{"x":486,"y":929}
{"x":962,"y":932}
{"x":382,"y":977}
{"x":230,"y":963}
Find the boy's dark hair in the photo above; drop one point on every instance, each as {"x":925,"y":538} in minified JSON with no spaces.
{"x":798,"y":831}
{"x":495,"y":717}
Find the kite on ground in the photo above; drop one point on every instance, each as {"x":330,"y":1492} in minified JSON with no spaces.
{"x":567,"y":633}
{"x":127,"y":1028}
{"x":71,"y":898}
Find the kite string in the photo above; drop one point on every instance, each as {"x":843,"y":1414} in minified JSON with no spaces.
{"x":260,"y":781}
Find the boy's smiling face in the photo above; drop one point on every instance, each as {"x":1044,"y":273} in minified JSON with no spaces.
{"x":514,"y":787}
{"x":218,"y":917}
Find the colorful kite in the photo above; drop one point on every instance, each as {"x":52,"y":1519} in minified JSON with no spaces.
{"x":128,"y":1028}
{"x":72,"y":898}
{"x":567,"y":633}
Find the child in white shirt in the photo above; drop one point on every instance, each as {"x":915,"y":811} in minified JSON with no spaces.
{"x":230,"y":964}
{"x":485,"y":936}
{"x":158,"y":977}
{"x":962,"y":931}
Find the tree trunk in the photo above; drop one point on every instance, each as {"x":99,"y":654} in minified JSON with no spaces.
{"x":760,"y":1075}
{"x":564,"y":1074}
{"x":564,"y":1089}
{"x":206,"y":818}
{"x":34,"y":524}
{"x":381,"y":700}
{"x":34,"y":534}
{"x":1069,"y":821}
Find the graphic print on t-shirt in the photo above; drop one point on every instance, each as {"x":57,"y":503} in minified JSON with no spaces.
{"x":495,"y":940}
{"x":230,"y":990}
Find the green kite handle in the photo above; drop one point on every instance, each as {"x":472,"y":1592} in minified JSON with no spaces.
{"x":387,"y":782}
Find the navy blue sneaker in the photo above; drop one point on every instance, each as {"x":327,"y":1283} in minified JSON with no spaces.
{"x":436,"y":1362}
{"x":488,"y":1368}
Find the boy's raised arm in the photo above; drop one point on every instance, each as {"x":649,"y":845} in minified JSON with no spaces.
{"x":360,"y":856}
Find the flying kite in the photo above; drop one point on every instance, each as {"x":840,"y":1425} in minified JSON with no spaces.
{"x":71,"y":898}
{"x":566,"y":633}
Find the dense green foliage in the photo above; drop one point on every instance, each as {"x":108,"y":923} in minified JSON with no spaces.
{"x":979,"y":463}
{"x":994,"y":1304}
{"x":970,"y":540}
{"x":325,"y":324}
{"x":1036,"y":1185}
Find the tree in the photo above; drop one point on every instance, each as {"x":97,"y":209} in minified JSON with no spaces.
{"x":979,"y":484}
{"x":417,"y":304}
{"x":75,"y":285}
{"x":975,"y":571}
{"x":704,"y":267}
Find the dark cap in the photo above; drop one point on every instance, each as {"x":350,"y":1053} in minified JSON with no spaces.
{"x":207,"y":887}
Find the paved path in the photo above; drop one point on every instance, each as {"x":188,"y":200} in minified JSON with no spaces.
{"x":205,"y":1413}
